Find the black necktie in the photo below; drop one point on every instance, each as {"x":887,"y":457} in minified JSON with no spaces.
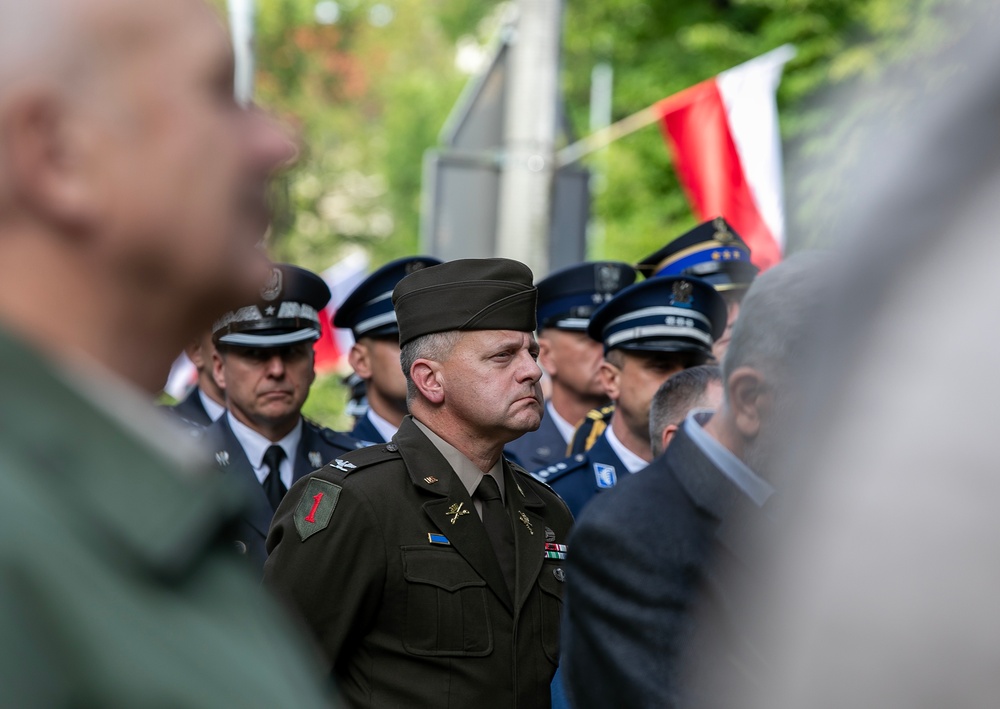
{"x":497,"y":523}
{"x":272,"y":483}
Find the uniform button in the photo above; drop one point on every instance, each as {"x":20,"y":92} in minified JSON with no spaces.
{"x":579,"y":458}
{"x":241,"y":547}
{"x":560,"y":466}
{"x":391,"y":447}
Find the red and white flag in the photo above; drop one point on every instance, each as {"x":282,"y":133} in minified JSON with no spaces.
{"x":723,"y":135}
{"x":342,"y":278}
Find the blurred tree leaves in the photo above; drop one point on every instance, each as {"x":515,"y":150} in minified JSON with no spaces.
{"x":657,"y":49}
{"x":368,"y":94}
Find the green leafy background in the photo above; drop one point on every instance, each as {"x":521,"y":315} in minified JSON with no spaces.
{"x":368,"y":98}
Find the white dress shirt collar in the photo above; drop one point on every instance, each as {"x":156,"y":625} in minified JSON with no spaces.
{"x":384,"y":428}
{"x":212,"y":408}
{"x":630,"y":460}
{"x":255,"y":445}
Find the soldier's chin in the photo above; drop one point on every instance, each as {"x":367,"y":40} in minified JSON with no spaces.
{"x":528,"y":421}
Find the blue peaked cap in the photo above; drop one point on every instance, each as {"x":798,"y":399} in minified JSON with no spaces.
{"x":368,"y":309}
{"x":663,"y":314}
{"x":568,"y":297}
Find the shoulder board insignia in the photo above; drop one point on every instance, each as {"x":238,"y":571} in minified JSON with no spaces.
{"x":315,"y":509}
{"x":355,"y":460}
{"x":556,"y":471}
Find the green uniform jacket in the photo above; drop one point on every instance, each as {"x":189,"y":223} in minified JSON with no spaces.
{"x":117,"y":588}
{"x":384,"y":556}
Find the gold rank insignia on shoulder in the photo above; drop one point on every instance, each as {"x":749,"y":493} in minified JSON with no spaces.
{"x":430,"y":480}
{"x":456,"y":511}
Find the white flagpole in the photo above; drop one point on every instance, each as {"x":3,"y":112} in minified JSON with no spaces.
{"x":241,"y":25}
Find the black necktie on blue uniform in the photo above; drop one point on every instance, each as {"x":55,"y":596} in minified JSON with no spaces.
{"x":273,"y":486}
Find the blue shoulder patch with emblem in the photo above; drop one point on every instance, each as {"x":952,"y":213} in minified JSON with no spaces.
{"x":605,"y":474}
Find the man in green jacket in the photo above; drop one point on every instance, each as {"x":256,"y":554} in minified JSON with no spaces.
{"x":430,"y":569}
{"x":131,"y":196}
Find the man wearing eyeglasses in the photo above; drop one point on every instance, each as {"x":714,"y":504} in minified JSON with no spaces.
{"x":264,"y":362}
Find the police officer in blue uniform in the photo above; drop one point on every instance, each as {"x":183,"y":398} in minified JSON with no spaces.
{"x":650,"y":331}
{"x":566,"y":300}
{"x":715,"y":253}
{"x":369,"y":314}
{"x":264,"y":362}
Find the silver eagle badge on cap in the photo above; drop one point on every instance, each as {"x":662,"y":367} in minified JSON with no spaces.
{"x":272,"y":289}
{"x":682,"y":292}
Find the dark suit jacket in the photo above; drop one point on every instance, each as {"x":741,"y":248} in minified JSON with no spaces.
{"x":398,"y":582}
{"x":537,"y":449}
{"x":364,"y":430}
{"x":579,"y":478}
{"x":317,"y":447}
{"x":643,"y":577}
{"x":191,"y":409}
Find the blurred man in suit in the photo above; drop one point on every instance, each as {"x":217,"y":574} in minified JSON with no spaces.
{"x":643,"y":556}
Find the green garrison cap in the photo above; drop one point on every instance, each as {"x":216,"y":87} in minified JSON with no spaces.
{"x":465,"y":294}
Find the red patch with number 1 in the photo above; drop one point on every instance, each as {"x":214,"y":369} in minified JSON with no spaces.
{"x":316,"y":507}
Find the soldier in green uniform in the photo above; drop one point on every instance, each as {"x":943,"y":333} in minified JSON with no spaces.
{"x":131,"y":195}
{"x":430,"y":569}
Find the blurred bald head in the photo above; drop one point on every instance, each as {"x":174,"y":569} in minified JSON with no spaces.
{"x":132,"y":186}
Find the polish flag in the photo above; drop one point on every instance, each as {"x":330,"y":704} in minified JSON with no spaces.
{"x":723,"y":136}
{"x":334,"y":343}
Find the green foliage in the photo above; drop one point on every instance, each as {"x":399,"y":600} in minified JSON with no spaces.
{"x":365,"y":99}
{"x":368,"y":99}
{"x":657,"y":49}
{"x":327,"y":402}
